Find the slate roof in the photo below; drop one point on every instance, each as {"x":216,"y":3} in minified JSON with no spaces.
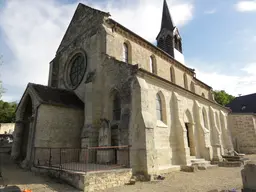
{"x":56,"y":96}
{"x":167,"y":22}
{"x":243,"y":104}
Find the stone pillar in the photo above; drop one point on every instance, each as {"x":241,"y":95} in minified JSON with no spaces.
{"x":215,"y":137}
{"x":105,"y":156}
{"x":182,"y":149}
{"x":16,"y":146}
{"x":89,"y":135}
{"x":203,"y":133}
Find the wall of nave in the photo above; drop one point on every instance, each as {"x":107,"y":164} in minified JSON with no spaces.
{"x":188,"y":125}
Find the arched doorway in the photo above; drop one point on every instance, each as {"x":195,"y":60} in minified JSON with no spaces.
{"x":189,"y":129}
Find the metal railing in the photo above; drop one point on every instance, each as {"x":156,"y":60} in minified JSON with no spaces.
{"x":83,"y":159}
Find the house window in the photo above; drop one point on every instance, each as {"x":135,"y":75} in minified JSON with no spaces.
{"x":203,"y":95}
{"x":116,"y":107}
{"x":125,"y":53}
{"x":159,"y":111}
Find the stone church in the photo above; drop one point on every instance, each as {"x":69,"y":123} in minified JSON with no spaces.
{"x":108,"y":82}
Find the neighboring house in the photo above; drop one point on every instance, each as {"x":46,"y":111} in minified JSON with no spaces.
{"x":242,"y":121}
{"x":7,"y":128}
{"x":110,"y":87}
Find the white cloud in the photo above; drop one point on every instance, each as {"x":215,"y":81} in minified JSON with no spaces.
{"x":245,"y":6}
{"x":34,"y":29}
{"x":232,"y":84}
{"x":209,"y":12}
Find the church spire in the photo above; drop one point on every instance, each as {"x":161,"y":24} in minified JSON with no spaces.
{"x":167,"y":22}
{"x":169,"y":39}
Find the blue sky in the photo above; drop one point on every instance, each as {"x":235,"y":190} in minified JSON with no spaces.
{"x":219,"y":37}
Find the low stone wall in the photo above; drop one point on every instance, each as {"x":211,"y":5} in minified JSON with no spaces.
{"x":91,"y":181}
{"x":98,"y":181}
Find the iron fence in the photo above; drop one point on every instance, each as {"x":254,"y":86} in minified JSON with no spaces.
{"x":83,"y":159}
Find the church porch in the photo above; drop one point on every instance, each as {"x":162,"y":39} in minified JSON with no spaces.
{"x":46,"y":117}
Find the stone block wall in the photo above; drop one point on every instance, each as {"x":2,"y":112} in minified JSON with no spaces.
{"x":243,"y":130}
{"x":166,"y":141}
{"x":99,"y":181}
{"x":58,"y":127}
{"x":140,"y":54}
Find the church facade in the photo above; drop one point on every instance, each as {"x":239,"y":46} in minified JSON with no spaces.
{"x":107,"y":82}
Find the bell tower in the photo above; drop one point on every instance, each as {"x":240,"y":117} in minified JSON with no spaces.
{"x":169,"y":39}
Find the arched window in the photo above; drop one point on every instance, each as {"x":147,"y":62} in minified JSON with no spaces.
{"x":204,"y":118}
{"x":185,"y":81}
{"x":160,"y":43}
{"x":116,"y":107}
{"x":125,"y":53}
{"x":159,"y":110}
{"x":192,"y":87}
{"x":152,"y":64}
{"x":177,"y":43}
{"x":169,"y":44}
{"x":151,"y":67}
{"x":172,"y":75}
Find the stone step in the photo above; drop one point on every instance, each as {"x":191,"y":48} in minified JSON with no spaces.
{"x":205,"y":167}
{"x":197,"y":160}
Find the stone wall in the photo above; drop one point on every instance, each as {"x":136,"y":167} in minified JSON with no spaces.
{"x":58,"y":127}
{"x":7,"y":127}
{"x":99,"y":181}
{"x":91,"y":181}
{"x":140,"y":55}
{"x":243,"y":130}
{"x":165,"y":141}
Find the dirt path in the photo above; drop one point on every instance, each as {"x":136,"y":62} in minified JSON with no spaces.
{"x":14,"y":176}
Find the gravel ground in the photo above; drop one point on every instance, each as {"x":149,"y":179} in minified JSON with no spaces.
{"x":201,"y":181}
{"x":15,"y":176}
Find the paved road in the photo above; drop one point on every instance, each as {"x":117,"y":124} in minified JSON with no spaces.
{"x":14,"y":176}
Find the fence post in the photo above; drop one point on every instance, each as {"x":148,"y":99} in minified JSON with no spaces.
{"x":34,"y":158}
{"x":129,"y":164}
{"x":50,"y":158}
{"x":60,"y":158}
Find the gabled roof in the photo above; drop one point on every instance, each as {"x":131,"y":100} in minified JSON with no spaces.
{"x":54,"y":96}
{"x":80,"y":11}
{"x":167,"y":22}
{"x":243,"y":104}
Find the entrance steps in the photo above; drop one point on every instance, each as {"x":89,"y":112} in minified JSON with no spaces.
{"x":194,"y":164}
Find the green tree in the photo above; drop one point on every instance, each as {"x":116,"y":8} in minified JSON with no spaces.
{"x":222,"y":97}
{"x":7,"y":112}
